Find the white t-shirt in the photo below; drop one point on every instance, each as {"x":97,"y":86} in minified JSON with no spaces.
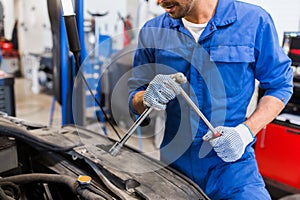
{"x":194,"y":29}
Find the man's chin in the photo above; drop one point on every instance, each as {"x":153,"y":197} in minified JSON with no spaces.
{"x":174,"y":16}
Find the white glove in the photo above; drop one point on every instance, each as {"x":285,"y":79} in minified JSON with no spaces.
{"x":160,"y":91}
{"x":231,"y":145}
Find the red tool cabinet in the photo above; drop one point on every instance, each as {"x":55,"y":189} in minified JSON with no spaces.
{"x":278,"y":154}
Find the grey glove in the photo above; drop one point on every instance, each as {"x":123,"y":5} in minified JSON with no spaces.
{"x":160,"y":91}
{"x":231,"y":145}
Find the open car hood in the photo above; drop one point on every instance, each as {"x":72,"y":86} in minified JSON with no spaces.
{"x":129,"y":175}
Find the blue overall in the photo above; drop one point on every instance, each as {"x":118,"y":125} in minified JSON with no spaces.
{"x":238,"y":45}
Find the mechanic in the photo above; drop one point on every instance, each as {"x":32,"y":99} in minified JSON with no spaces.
{"x":221,"y":46}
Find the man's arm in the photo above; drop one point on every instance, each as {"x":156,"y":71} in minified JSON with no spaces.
{"x":231,"y":145}
{"x":268,"y":108}
{"x":137,"y":102}
{"x":162,"y":89}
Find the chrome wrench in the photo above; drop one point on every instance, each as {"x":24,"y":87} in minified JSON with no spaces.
{"x":179,"y":78}
{"x":215,"y":133}
{"x":118,"y":145}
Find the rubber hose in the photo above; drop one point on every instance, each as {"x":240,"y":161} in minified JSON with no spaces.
{"x":89,"y":195}
{"x":55,"y":178}
{"x":71,"y":182}
{"x":16,"y":192}
{"x":3,"y":196}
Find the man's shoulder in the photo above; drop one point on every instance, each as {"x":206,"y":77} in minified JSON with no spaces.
{"x":244,"y":7}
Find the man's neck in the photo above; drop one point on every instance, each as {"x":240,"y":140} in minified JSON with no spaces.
{"x":202,"y":12}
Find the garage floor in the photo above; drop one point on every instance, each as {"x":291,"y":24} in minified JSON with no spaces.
{"x":37,"y":108}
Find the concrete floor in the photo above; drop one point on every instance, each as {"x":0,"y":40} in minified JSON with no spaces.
{"x":37,"y":108}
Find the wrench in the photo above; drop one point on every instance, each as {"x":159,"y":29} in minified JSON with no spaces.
{"x":179,"y":78}
{"x":215,"y":133}
{"x":118,"y":145}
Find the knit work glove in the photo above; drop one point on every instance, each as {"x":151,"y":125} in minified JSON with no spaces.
{"x":231,"y":145}
{"x":160,"y":91}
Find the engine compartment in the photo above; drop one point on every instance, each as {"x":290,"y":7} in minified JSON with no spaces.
{"x":45,"y":163}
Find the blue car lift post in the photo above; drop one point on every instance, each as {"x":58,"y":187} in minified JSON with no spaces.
{"x":69,"y":71}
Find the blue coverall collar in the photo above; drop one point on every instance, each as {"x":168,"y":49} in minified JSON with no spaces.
{"x":225,"y":13}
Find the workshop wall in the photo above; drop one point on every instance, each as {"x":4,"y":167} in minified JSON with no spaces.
{"x":34,"y":29}
{"x":34,"y":25}
{"x":9,"y":17}
{"x":110,"y":24}
{"x":145,"y":11}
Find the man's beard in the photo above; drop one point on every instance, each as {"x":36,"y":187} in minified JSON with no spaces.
{"x":180,"y":10}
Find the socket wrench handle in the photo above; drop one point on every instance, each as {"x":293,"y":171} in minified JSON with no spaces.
{"x":180,"y":79}
{"x":215,"y":133}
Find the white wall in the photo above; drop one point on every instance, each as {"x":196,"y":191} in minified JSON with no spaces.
{"x":146,"y":11}
{"x":34,"y":25}
{"x":110,"y":24}
{"x":9,"y":17}
{"x":285,"y":13}
{"x":34,"y":29}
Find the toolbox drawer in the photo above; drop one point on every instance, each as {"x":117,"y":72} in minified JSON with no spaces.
{"x":7,"y":96}
{"x":278,"y":154}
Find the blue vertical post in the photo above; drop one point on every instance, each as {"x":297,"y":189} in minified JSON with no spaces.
{"x":66,"y":79}
{"x":68,"y":67}
{"x":80,"y":27}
